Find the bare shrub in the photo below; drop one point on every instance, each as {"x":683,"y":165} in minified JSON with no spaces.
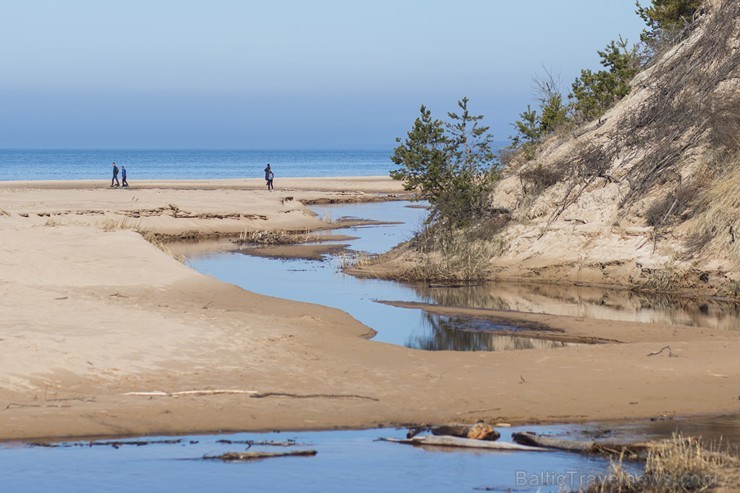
{"x":539,"y":178}
{"x":724,"y":124}
{"x":673,"y":206}
{"x":696,"y":242}
{"x":507,"y":156}
{"x":678,"y":113}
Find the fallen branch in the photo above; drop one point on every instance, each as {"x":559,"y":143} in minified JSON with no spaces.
{"x":670,"y":353}
{"x":247,"y":456}
{"x":259,"y":395}
{"x":267,"y":443}
{"x":630,"y":450}
{"x":16,"y":404}
{"x":160,"y":393}
{"x":251,"y":393}
{"x":448,"y":441}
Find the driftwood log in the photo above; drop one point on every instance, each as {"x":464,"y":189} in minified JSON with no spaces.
{"x":246,"y":456}
{"x":629,"y":450}
{"x":477,"y":431}
{"x":449,"y":441}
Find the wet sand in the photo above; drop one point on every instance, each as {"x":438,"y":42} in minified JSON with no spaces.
{"x":104,"y":334}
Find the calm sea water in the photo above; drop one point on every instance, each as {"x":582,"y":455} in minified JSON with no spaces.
{"x":84,"y":164}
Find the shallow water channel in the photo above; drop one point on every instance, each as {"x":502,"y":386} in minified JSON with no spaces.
{"x":322,"y":282}
{"x":354,"y":460}
{"x":345,"y":461}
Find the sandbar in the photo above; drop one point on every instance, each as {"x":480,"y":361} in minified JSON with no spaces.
{"x":104,"y":334}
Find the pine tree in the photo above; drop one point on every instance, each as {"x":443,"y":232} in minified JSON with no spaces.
{"x":451,"y":165}
{"x":665,"y":15}
{"x":595,"y":92}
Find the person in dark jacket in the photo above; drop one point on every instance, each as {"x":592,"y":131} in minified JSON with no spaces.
{"x":115,"y":176}
{"x":269,"y":175}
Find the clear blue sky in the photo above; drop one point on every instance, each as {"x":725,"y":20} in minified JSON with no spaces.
{"x":283,"y":73}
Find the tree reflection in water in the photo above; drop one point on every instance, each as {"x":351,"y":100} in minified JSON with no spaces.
{"x":585,"y":301}
{"x":471,"y":334}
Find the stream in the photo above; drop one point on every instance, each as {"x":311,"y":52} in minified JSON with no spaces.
{"x":322,"y":282}
{"x":354,"y":460}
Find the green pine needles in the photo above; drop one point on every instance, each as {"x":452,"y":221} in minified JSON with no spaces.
{"x":594,"y":92}
{"x":450,"y":164}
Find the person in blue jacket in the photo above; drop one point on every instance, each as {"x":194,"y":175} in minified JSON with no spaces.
{"x":124,"y":183}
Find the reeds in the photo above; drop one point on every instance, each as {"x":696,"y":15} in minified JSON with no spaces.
{"x":679,"y":465}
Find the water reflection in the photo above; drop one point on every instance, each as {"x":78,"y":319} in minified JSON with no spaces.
{"x":470,"y":334}
{"x":718,"y":430}
{"x":589,"y":302}
{"x":322,"y":282}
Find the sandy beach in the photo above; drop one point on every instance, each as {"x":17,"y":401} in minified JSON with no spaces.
{"x":104,"y":334}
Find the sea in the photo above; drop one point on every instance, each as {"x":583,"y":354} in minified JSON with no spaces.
{"x":188,"y":164}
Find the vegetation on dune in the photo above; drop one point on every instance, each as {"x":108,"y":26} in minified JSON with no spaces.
{"x":594,"y":92}
{"x":682,"y":113}
{"x":452,"y":165}
{"x":666,"y":18}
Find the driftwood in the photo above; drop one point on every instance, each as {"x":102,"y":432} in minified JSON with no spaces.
{"x":246,"y":456}
{"x":629,"y":450}
{"x":477,"y":431}
{"x":160,"y":393}
{"x":449,"y":441}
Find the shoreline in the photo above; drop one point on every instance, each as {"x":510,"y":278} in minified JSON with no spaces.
{"x":92,"y":311}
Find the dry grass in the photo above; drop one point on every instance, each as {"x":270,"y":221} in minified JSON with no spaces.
{"x":349,"y":260}
{"x":111,"y":225}
{"x":275,"y":237}
{"x":681,"y":465}
{"x":155,"y":240}
{"x":452,"y":256}
{"x":664,"y":279}
{"x":720,"y":216}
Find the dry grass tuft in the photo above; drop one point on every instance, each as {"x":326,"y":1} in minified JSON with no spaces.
{"x":155,"y":239}
{"x":453,"y":256}
{"x":720,"y":216}
{"x":111,"y":225}
{"x":664,"y":279}
{"x":274,"y":237}
{"x":349,"y":260}
{"x":680,"y":465}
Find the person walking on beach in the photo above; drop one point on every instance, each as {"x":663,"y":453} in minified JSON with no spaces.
{"x":115,"y":176}
{"x":124,"y":183}
{"x":269,"y":175}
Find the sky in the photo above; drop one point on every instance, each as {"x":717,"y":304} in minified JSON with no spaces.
{"x":283,"y":74}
